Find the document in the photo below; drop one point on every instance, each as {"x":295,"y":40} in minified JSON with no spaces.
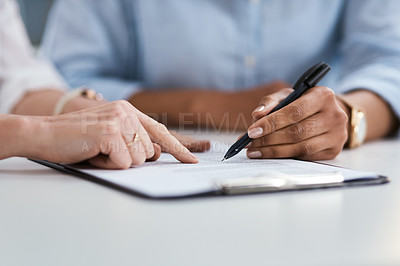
{"x":169,"y":178}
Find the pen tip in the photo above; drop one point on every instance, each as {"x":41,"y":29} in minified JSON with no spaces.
{"x":223,"y":159}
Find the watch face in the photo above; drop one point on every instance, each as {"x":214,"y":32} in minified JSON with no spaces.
{"x":361,"y":130}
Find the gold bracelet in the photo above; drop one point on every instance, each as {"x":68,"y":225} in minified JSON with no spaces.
{"x":80,"y":92}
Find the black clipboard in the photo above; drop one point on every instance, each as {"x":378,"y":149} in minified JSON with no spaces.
{"x":235,"y":187}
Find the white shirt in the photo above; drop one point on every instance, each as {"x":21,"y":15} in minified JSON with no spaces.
{"x":20,"y":70}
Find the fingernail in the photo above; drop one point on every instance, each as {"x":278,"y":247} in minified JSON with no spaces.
{"x":259,"y":108}
{"x":254,"y":154}
{"x":193,"y":157}
{"x":255,"y":132}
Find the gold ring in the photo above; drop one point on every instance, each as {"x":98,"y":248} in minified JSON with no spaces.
{"x":135,"y":139}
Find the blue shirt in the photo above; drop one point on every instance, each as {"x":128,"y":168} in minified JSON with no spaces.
{"x":121,"y":46}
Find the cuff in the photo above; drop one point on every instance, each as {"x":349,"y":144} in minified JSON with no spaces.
{"x":386,"y":85}
{"x":18,"y":81}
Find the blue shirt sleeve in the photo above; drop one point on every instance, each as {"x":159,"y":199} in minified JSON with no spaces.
{"x":370,"y":51}
{"x":89,"y":45}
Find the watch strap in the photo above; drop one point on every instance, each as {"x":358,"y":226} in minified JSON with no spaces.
{"x":352,"y":140}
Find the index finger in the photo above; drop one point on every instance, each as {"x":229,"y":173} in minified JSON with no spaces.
{"x":160,"y":135}
{"x":304,"y":107}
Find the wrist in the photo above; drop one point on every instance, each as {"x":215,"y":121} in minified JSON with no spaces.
{"x":10,"y":138}
{"x":33,"y":135}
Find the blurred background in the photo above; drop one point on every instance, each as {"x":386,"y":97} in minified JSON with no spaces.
{"x":34,"y":13}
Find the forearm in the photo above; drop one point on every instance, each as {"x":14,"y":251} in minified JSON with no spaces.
{"x":38,"y":103}
{"x":381,"y":121}
{"x":208,"y":109}
{"x":175,"y":107}
{"x":43,"y":102}
{"x":161,"y":103}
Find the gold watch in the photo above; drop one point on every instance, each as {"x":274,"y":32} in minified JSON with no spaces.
{"x":358,"y":124}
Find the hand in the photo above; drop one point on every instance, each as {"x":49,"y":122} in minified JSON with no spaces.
{"x":314,"y":127}
{"x":192,"y":144}
{"x":105,"y":136}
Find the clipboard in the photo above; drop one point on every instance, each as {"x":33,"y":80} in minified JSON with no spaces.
{"x":162,"y":188}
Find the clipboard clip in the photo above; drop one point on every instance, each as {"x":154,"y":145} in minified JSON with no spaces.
{"x":278,"y":182}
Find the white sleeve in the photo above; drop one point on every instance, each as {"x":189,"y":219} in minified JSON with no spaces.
{"x":20,"y":70}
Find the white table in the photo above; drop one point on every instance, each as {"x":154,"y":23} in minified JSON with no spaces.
{"x":49,"y":218}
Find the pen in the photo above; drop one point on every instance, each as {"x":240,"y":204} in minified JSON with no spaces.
{"x":308,"y":80}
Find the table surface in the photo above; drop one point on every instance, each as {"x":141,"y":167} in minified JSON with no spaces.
{"x":50,"y":218}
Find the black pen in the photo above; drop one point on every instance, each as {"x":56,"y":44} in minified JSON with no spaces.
{"x":308,"y":80}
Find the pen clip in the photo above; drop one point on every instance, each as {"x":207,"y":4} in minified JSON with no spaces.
{"x":313,"y":75}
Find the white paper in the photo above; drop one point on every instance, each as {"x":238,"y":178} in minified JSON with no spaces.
{"x":169,"y":178}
